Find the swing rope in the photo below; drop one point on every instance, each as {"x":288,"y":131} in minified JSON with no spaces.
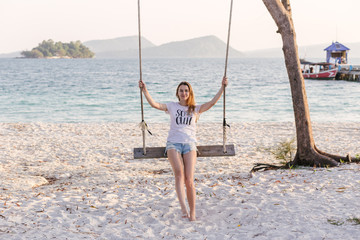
{"x":143,"y":124}
{"x":226,"y":62}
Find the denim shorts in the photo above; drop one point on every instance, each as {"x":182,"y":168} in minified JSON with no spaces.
{"x":182,"y":148}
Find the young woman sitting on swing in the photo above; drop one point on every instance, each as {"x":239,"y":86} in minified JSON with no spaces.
{"x":181,"y":141}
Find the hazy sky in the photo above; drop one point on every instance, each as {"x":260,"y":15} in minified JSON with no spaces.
{"x":25,"y":23}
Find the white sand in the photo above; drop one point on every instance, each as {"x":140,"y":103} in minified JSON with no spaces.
{"x":80,"y":181}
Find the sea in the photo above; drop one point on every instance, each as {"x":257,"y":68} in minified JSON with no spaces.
{"x":106,"y":90}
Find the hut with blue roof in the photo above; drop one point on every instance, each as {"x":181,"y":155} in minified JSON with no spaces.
{"x":336,"y":53}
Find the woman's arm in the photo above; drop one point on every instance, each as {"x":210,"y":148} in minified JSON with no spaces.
{"x":150,"y":100}
{"x":210,"y":104}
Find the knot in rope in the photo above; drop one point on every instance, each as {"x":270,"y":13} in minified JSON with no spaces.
{"x":144,"y":127}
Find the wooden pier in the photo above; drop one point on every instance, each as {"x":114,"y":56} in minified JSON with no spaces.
{"x":348,"y":72}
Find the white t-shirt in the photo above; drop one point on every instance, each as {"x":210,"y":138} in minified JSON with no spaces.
{"x":182,"y":125}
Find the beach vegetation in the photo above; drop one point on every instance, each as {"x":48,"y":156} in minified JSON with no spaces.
{"x":335,"y":222}
{"x":284,"y":151}
{"x":51,"y":49}
{"x":354,"y":220}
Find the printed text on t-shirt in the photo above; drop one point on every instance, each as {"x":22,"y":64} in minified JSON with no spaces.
{"x":182,"y":117}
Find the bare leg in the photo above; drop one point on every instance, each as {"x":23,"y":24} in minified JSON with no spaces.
{"x":177,"y":165}
{"x":189,"y":167}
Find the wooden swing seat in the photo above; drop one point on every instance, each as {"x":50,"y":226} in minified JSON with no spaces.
{"x":203,"y":151}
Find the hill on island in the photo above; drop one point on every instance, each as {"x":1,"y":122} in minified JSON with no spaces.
{"x":117,"y":44}
{"x":127,"y":47}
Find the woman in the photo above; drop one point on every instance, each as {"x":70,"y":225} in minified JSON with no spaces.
{"x":181,"y":141}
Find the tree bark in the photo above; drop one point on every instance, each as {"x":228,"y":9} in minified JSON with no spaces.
{"x":307,"y":153}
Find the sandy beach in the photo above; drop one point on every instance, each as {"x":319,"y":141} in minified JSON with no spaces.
{"x":80,"y":181}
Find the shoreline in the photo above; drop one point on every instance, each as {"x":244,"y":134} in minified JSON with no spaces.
{"x":79,"y":180}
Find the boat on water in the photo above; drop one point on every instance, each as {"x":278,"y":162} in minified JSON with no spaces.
{"x":319,"y":71}
{"x":336,"y":54}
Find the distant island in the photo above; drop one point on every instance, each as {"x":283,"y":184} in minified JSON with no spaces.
{"x":50,"y":49}
{"x":127,"y":47}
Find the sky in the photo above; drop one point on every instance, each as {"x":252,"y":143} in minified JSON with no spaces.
{"x":26,"y":23}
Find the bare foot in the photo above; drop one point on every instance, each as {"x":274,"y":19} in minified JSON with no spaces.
{"x":185,"y":214}
{"x":192,"y":218}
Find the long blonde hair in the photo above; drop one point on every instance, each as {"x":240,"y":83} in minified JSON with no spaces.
{"x":190,"y":102}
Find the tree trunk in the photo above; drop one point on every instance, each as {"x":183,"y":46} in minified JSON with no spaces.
{"x":307,"y":153}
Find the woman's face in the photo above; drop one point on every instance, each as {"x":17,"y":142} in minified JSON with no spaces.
{"x":183,"y":92}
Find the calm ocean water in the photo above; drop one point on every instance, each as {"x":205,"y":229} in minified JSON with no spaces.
{"x":98,"y":90}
